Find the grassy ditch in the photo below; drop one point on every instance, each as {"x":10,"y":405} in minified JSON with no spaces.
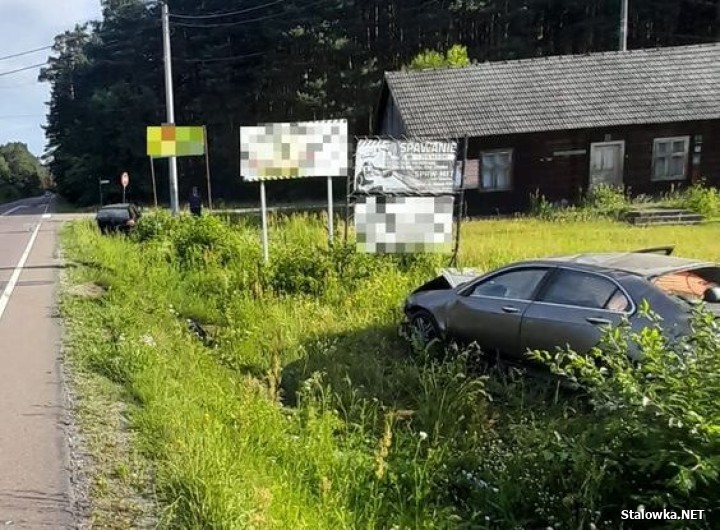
{"x":302,"y":408}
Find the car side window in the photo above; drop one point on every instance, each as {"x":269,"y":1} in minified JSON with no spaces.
{"x":517,"y":284}
{"x":575,"y":288}
{"x":618,"y":302}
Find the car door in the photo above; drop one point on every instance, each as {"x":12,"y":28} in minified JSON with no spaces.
{"x":572,"y":310}
{"x":490,"y":311}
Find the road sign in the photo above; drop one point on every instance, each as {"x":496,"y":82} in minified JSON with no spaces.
{"x":125,"y":180}
{"x":104,"y":182}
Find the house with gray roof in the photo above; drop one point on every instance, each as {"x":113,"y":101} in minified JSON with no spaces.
{"x":644,"y":119}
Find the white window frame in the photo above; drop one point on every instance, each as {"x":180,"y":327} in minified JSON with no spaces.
{"x":511,"y":155}
{"x":685,"y":158}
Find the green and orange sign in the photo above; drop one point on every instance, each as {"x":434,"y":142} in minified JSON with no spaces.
{"x":170,"y":140}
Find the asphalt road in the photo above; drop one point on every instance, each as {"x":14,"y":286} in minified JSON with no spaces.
{"x":34,"y":472}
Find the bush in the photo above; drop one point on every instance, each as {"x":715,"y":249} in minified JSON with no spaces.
{"x":602,"y":202}
{"x":701,"y":199}
{"x":540,"y":207}
{"x":158,"y":224}
{"x":206,"y":239}
{"x":196,"y":241}
{"x":655,"y":424}
{"x":296,"y":269}
{"x":607,"y":200}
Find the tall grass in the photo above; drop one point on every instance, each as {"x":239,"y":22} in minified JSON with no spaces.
{"x":306,"y":410}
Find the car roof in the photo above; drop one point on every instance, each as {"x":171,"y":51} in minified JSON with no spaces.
{"x":647,"y":265}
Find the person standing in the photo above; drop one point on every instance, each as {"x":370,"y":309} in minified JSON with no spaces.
{"x":195,"y":202}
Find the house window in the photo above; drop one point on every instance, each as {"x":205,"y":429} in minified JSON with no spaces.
{"x":670,"y":158}
{"x":496,"y":170}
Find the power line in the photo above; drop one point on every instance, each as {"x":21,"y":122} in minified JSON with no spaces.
{"x":28,"y":52}
{"x":40,"y":65}
{"x":228,"y":14}
{"x":227,"y":24}
{"x":219,"y":59}
{"x":243,"y":22}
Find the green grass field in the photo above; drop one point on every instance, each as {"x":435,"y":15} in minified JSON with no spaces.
{"x":489,"y":243}
{"x":305,"y":410}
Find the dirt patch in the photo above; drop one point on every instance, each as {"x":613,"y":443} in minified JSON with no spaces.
{"x":86,"y":290}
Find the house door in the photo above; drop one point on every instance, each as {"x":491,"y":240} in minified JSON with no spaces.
{"x":607,"y":161}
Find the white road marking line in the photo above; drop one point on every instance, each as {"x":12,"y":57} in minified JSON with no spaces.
{"x":10,"y":287}
{"x":11,"y":210}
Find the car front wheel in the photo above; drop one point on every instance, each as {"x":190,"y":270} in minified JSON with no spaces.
{"x":424,"y":326}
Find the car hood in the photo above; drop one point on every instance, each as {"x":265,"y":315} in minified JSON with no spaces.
{"x":448,"y":279}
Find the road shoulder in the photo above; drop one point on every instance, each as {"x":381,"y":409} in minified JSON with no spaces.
{"x":114,"y":478}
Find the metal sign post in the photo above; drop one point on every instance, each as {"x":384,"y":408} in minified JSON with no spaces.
{"x":207,"y":168}
{"x":331,"y":212}
{"x":349,"y":193}
{"x":152,"y":175}
{"x":263,"y":209}
{"x":124,"y":180}
{"x":101,"y":183}
{"x":461,"y":199}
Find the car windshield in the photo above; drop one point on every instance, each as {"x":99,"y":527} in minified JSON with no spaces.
{"x":689,"y":286}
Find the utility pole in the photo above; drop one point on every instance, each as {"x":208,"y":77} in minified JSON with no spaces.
{"x":170,"y":104}
{"x":624,"y":25}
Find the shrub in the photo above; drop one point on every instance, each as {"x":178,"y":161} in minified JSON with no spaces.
{"x":158,"y":224}
{"x":656,"y":424}
{"x":602,"y":201}
{"x":563,"y":212}
{"x":202,"y":239}
{"x":607,"y":200}
{"x":540,"y":207}
{"x":299,"y":269}
{"x":701,"y":199}
{"x":354,"y":267}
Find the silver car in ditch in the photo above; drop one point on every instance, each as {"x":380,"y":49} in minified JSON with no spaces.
{"x":563,"y":301}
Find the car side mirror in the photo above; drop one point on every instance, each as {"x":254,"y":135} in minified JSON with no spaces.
{"x":712,"y":295}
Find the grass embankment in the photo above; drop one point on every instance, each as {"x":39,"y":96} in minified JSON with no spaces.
{"x":305,"y":410}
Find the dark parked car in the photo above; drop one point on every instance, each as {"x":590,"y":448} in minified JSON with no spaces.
{"x":117,"y":218}
{"x":562,"y":301}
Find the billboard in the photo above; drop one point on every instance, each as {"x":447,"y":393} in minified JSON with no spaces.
{"x":386,"y":224}
{"x":170,"y":140}
{"x":280,"y":151}
{"x":400,"y":166}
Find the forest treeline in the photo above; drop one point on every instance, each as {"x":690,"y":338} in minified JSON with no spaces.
{"x":21,"y":173}
{"x":288,"y":60}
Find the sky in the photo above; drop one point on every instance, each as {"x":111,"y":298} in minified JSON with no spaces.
{"x":27,"y":25}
